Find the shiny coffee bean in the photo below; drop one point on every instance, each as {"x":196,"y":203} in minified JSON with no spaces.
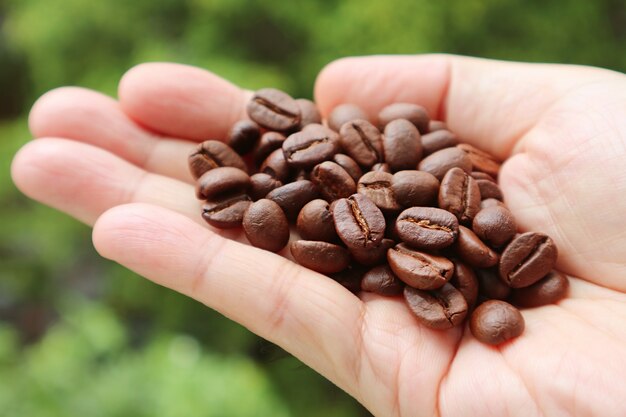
{"x":528,"y":258}
{"x":261,"y":184}
{"x":276,"y":166}
{"x":494,"y":225}
{"x":489,"y":189}
{"x":438,"y":140}
{"x":315,"y":222}
{"x":308,"y":148}
{"x":440,"y":309}
{"x":381,"y":280}
{"x":466,"y":282}
{"x":213,"y":154}
{"x":427,"y":228}
{"x":323,"y":257}
{"x":308,"y":112}
{"x":548,"y":290}
{"x":473,"y":251}
{"x":377,"y":187}
{"x":459,"y":194}
{"x":345,"y":113}
{"x":414,"y":113}
{"x":491,"y":286}
{"x":494,"y":322}
{"x":332,"y":181}
{"x":358,"y":222}
{"x":243,"y":135}
{"x":382,"y":167}
{"x":266,"y":226}
{"x":402,"y":145}
{"x":418,"y":269}
{"x":293,"y":196}
{"x":372,"y":256}
{"x":274,"y":110}
{"x":349,"y":165}
{"x":268,"y":143}
{"x":490,"y":202}
{"x":415,"y":188}
{"x":362,"y":141}
{"x":222,"y":180}
{"x":435,"y":125}
{"x":481,"y":160}
{"x":440,"y":162}
{"x":227,"y":212}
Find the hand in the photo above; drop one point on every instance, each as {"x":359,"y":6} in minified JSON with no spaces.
{"x":121,"y":166}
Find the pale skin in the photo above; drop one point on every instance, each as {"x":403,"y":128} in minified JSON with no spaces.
{"x":120,"y":165}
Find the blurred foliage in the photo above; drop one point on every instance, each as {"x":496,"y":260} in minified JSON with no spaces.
{"x":80,"y":336}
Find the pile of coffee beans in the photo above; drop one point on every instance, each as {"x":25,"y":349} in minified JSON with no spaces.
{"x":395,"y":206}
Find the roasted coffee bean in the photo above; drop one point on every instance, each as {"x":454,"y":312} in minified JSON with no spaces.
{"x":495,"y":322}
{"x":315,"y":222}
{"x":438,"y":140}
{"x":490,"y":202}
{"x":440,"y":162}
{"x":243,"y":136}
{"x":489,"y":189}
{"x":435,"y":125}
{"x":274,"y":110}
{"x":418,"y":269}
{"x":382,"y":167}
{"x":213,"y":154}
{"x":466,"y":282}
{"x":440,"y":309}
{"x":528,"y":258}
{"x":414,"y":113}
{"x":345,"y":113}
{"x":359,"y":223}
{"x":362,"y":141}
{"x":473,"y":251}
{"x":308,"y":112}
{"x":333,"y":181}
{"x":266,"y":226}
{"x":481,"y":160}
{"x":477,"y":175}
{"x":427,"y":227}
{"x":494,"y":225}
{"x":350,"y":278}
{"x":227,"y":212}
{"x":308,"y":148}
{"x":301,"y":174}
{"x":402,"y":145}
{"x":222,"y":180}
{"x":459,"y":194}
{"x":491,"y":286}
{"x":415,"y":188}
{"x":293,"y":196}
{"x":349,"y":165}
{"x":548,"y":290}
{"x":382,"y":281}
{"x":269,"y":142}
{"x":323,"y":257}
{"x":276,"y":166}
{"x":372,"y":256}
{"x":261,"y":184}
{"x":377,"y":187}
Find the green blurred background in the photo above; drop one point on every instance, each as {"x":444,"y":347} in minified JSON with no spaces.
{"x":80,"y":336}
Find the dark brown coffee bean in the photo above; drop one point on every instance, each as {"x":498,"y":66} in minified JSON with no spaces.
{"x":481,"y":160}
{"x":308,"y":148}
{"x":227,"y":212}
{"x":345,"y":113}
{"x":308,"y":112}
{"x":440,"y":162}
{"x":213,"y":154}
{"x":435,"y":125}
{"x":274,"y":110}
{"x":438,"y":140}
{"x":528,"y":258}
{"x":490,"y":202}
{"x":362,"y":141}
{"x":439,"y":309}
{"x":491,"y":286}
{"x":550,"y":289}
{"x":427,"y":227}
{"x":349,"y":165}
{"x":414,"y":113}
{"x":418,"y":269}
{"x":276,"y":166}
{"x":350,"y":278}
{"x":243,"y":136}
{"x":402,"y":145}
{"x":466,"y":282}
{"x":494,"y":225}
{"x":473,"y":251}
{"x":266,"y":226}
{"x":293,"y":196}
{"x":415,"y":188}
{"x":377,"y":187}
{"x":373,"y":256}
{"x":333,"y":181}
{"x":269,"y":142}
{"x":222,"y":180}
{"x":489,"y":189}
{"x":261,"y":184}
{"x":477,"y":175}
{"x":495,"y":322}
{"x":323,"y":257}
{"x":359,"y":223}
{"x":459,"y":194}
{"x":315,"y":222}
{"x":381,"y":280}
{"x":382,"y":167}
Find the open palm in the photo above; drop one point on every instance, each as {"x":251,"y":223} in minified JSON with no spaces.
{"x":121,"y":165}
